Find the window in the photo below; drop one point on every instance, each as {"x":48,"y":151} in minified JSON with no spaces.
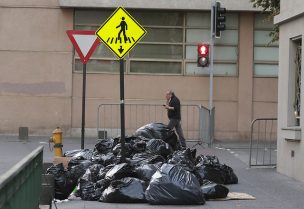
{"x":295,"y":81}
{"x":265,"y":54}
{"x":169,"y":47}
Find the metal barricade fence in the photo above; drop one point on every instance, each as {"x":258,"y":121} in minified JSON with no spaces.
{"x":263,"y":142}
{"x":20,"y":187}
{"x":195,"y":120}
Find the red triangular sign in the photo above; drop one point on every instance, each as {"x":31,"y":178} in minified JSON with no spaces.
{"x":84,"y":42}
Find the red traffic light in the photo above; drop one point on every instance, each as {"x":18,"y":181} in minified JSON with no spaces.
{"x":203,"y":50}
{"x":202,"y":55}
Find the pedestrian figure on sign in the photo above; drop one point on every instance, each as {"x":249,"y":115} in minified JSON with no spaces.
{"x":123,"y":27}
{"x":174,"y":114}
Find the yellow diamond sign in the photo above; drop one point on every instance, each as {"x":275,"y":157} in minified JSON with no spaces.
{"x":120,"y":32}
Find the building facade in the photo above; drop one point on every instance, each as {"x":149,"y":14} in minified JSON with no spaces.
{"x":41,"y":82}
{"x":290,"y":105}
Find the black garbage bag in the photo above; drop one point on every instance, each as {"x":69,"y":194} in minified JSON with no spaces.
{"x":103,"y":184}
{"x":128,"y":150}
{"x":63,"y":184}
{"x":207,"y":159}
{"x":145,"y":172}
{"x":212,"y":190}
{"x":104,"y":171}
{"x":104,"y":159}
{"x":97,"y":157}
{"x":145,"y":158}
{"x":158,"y":131}
{"x":159,"y":147}
{"x":103,"y":146}
{"x":120,"y":171}
{"x":125,"y":190}
{"x":94,"y":172}
{"x":211,"y":172}
{"x":230,"y":176}
{"x":174,"y":185}
{"x":171,"y":139}
{"x":85,"y":154}
{"x":77,"y":161}
{"x":87,"y":187}
{"x":71,"y":153}
{"x":184,"y":158}
{"x":77,"y":168}
{"x":138,"y":146}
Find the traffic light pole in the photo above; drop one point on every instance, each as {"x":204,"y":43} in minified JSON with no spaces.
{"x":212,"y":37}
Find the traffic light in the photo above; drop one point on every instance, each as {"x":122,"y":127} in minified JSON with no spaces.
{"x":202,"y":55}
{"x":219,"y":19}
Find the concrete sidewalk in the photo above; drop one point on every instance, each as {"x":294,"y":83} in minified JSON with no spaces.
{"x":271,"y":189}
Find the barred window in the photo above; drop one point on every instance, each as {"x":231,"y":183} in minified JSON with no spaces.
{"x":266,"y":54}
{"x":294,"y":81}
{"x":169,"y":47}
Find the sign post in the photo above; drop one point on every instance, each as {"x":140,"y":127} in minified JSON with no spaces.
{"x":85,"y":43}
{"x":120,"y":33}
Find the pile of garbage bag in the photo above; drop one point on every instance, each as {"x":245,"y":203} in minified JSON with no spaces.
{"x":154,"y":170}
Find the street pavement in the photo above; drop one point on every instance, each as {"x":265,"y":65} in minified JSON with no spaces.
{"x":271,"y":189}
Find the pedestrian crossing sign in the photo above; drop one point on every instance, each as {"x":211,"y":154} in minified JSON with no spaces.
{"x":120,"y":32}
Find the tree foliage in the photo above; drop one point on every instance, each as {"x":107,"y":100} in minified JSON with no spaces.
{"x":272,"y":7}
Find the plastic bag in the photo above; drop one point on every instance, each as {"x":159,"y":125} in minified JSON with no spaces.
{"x":87,"y":187}
{"x":104,"y":171}
{"x":103,"y":184}
{"x":104,"y":159}
{"x":158,"y":131}
{"x":159,"y":147}
{"x":172,"y":184}
{"x":207,"y":159}
{"x":120,"y":171}
{"x":71,"y":153}
{"x":212,"y":190}
{"x":128,"y":149}
{"x":210,"y":172}
{"x":63,"y":184}
{"x":139,"y":144}
{"x":87,"y":183}
{"x":183,"y":158}
{"x":125,"y":190}
{"x":78,"y":167}
{"x":230,"y":176}
{"x":145,"y":172}
{"x":145,"y":158}
{"x":217,"y":173}
{"x":85,"y":154}
{"x":104,"y":146}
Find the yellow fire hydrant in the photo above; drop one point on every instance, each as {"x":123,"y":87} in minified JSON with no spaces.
{"x":57,"y":140}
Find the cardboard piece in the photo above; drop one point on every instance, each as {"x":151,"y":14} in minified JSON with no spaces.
{"x":63,"y":160}
{"x":236,"y":196}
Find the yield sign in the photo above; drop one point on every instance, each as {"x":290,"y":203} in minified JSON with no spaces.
{"x":84,"y":42}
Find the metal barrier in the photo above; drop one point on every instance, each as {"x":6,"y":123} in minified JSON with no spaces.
{"x":195,"y":120}
{"x":263,"y":142}
{"x":21,"y":185}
